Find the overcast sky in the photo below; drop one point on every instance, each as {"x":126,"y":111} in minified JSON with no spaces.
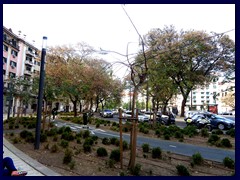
{"x":108,"y":27}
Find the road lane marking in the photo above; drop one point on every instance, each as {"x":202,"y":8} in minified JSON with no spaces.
{"x":173,"y":146}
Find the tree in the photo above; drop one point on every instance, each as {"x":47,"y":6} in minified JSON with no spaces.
{"x":190,"y":58}
{"x":229,"y":99}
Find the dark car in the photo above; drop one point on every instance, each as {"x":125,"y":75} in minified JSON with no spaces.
{"x":166,"y":119}
{"x":216,"y":121}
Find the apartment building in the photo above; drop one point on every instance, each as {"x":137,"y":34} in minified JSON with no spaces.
{"x":20,"y":59}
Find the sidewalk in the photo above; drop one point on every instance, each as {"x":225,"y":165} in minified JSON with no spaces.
{"x":24,"y":162}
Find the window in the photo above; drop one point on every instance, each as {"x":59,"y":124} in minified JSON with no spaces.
{"x":207,"y":102}
{"x":207,"y":93}
{"x":4,"y":72}
{"x":202,"y":97}
{"x":4,"y":60}
{"x":194,"y":101}
{"x":13,"y":64}
{"x":202,"y":92}
{"x":5,"y":48}
{"x":202,"y":101}
{"x":214,"y":86}
{"x":14,"y":53}
{"x":207,"y":97}
{"x":12,"y":75}
{"x":194,"y":97}
{"x":194,"y":92}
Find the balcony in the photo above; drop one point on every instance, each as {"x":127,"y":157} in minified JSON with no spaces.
{"x":27,"y":72}
{"x":28,"y":62}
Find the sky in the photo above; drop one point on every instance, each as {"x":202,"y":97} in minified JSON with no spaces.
{"x":106,"y":26}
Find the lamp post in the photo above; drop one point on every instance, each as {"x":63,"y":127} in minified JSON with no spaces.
{"x":10,"y":98}
{"x":40,"y":93}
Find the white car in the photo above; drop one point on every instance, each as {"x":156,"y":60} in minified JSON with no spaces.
{"x":141,"y":117}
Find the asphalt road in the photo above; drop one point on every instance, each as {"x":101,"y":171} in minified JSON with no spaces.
{"x":215,"y":154}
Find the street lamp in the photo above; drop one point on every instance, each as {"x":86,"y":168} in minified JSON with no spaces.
{"x":10,"y":99}
{"x":40,"y":93}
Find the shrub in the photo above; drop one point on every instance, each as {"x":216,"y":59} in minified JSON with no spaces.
{"x":113,"y":140}
{"x":67,"y":156}
{"x":228,"y":162}
{"x":231,"y":132}
{"x":106,"y":141}
{"x":178,"y":134}
{"x":30,"y":138}
{"x":97,"y":125}
{"x":145,"y":148}
{"x":87,"y":148}
{"x":125,"y":145}
{"x":213,"y":139}
{"x":111,"y":163}
{"x":197,"y":159}
{"x":54,"y":148}
{"x":102,"y":152}
{"x":115,"y":155}
{"x":204,"y":132}
{"x":158,"y":132}
{"x":25,"y":133}
{"x":86,"y":134}
{"x":72,"y":165}
{"x":136,"y":170}
{"x":64,"y":143}
{"x":43,"y":137}
{"x":89,"y":141}
{"x":226,"y":143}
{"x":190,"y":131}
{"x":67,"y":136}
{"x":182,"y":170}
{"x":219,"y":132}
{"x":156,"y":152}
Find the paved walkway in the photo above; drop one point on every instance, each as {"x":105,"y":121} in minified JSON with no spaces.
{"x":24,"y":162}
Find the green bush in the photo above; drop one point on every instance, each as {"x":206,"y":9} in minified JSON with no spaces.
{"x":67,"y":156}
{"x":66,"y":135}
{"x":106,"y":141}
{"x":231,"y":132}
{"x":145,"y":148}
{"x":156,"y":152}
{"x":54,"y":148}
{"x":197,"y":159}
{"x":102,"y":152}
{"x":86,"y":134}
{"x":115,"y":155}
{"x":190,"y":131}
{"x":64,"y":143}
{"x":182,"y":170}
{"x":178,"y":134}
{"x":228,"y":162}
{"x":213,"y":138}
{"x":43,"y":137}
{"x":87,"y":148}
{"x":25,"y":133}
{"x":113,"y":140}
{"x":89,"y":141}
{"x":204,"y":132}
{"x":125,"y":145}
{"x":219,"y":132}
{"x":136,"y":170}
{"x":226,"y":143}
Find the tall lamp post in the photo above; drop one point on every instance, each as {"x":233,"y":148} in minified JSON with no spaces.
{"x":40,"y":93}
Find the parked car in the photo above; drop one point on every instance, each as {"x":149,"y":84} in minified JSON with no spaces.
{"x":141,"y":117}
{"x":200,"y":121}
{"x":216,"y":121}
{"x":149,"y":114}
{"x":166,"y":119}
{"x":106,"y":113}
{"x":189,"y":114}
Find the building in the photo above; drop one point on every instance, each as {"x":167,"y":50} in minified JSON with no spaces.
{"x":20,"y":59}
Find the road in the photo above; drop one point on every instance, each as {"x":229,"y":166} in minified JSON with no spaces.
{"x":215,"y":154}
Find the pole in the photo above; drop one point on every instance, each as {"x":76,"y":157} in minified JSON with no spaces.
{"x":121,"y":143}
{"x":40,"y":94}
{"x":10,"y":100}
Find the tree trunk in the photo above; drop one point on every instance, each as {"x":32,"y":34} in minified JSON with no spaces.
{"x":183,"y":106}
{"x":75,"y":108}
